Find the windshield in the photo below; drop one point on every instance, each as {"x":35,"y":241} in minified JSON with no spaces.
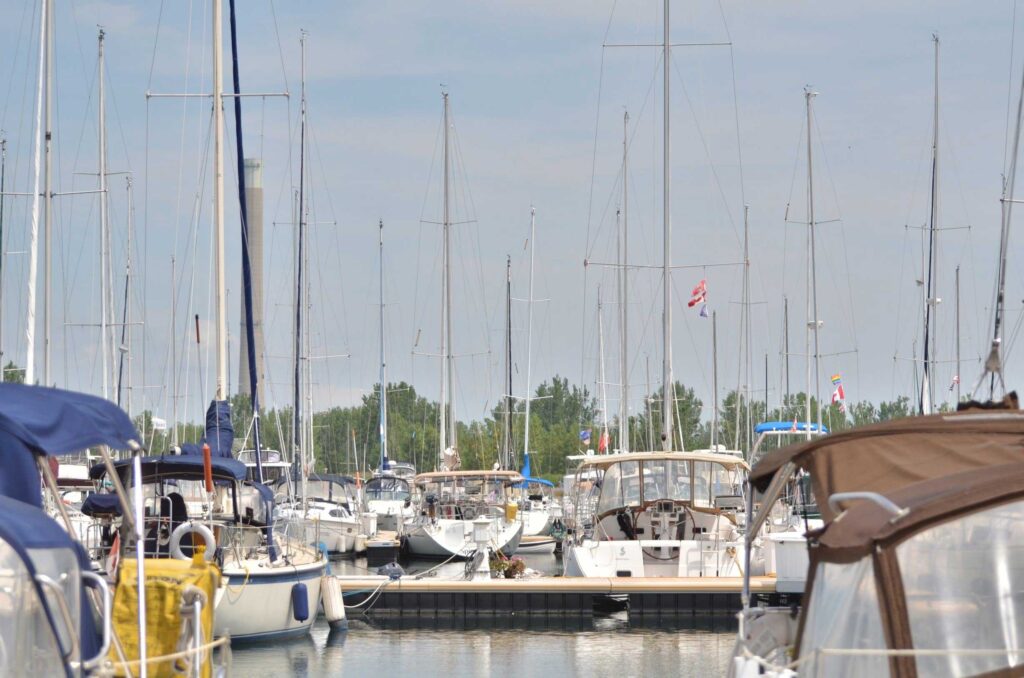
{"x":698,"y":482}
{"x":387,"y":489}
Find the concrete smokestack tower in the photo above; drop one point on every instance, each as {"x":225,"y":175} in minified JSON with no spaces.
{"x":254,"y":207}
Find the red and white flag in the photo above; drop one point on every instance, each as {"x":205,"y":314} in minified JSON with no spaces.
{"x":956,"y":380}
{"x":602,"y":444}
{"x":699,"y":295}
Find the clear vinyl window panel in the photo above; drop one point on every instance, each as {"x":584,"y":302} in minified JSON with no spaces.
{"x":964,"y":584}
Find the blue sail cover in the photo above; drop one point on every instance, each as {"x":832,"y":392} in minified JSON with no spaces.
{"x":219,"y":433}
{"x":173,"y":466}
{"x":49,"y":421}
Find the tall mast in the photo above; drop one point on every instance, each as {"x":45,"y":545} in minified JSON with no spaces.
{"x":927,"y":398}
{"x":813,"y":324}
{"x":383,"y":363}
{"x":447,"y":411}
{"x":624,"y":295}
{"x":221,"y":392}
{"x":994,"y":362}
{"x":529,"y":341}
{"x":785,"y":340}
{"x":506,"y":461}
{"x":668,"y":395}
{"x":33,"y":255}
{"x":297,"y":421}
{"x":48,"y":197}
{"x":106,"y":309}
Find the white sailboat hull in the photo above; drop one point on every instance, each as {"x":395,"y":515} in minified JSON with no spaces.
{"x":446,"y":538}
{"x":256,"y":602}
{"x":657,"y":558}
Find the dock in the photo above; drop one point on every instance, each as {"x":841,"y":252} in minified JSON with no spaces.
{"x":675,"y":596}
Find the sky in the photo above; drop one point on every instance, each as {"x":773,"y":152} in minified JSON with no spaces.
{"x":538,"y":95}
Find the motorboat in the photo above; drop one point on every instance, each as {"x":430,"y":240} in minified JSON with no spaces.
{"x":390,"y":499}
{"x":662,"y":514}
{"x":450,"y":503}
{"x":896,"y":499}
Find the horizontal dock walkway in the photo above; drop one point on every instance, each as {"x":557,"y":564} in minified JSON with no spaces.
{"x":553,"y":595}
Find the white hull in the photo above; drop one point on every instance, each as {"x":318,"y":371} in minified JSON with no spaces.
{"x":657,"y":558}
{"x":535,"y":521}
{"x":258,"y":603}
{"x":338,"y":536}
{"x":446,"y":538}
{"x":536,"y":545}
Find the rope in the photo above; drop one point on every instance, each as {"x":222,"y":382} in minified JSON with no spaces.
{"x":111,"y":666}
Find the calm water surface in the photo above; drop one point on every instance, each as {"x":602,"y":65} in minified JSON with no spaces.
{"x":555,"y":646}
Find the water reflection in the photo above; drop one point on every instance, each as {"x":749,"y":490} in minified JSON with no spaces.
{"x":497,"y":645}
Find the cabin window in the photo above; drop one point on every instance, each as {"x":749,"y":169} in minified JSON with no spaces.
{"x":620,"y":486}
{"x":964,"y":584}
{"x":843,"y":613}
{"x":387,"y":489}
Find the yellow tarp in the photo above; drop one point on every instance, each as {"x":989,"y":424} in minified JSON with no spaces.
{"x":166,"y":582}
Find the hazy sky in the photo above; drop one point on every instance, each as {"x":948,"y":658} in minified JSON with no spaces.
{"x":538,"y":109}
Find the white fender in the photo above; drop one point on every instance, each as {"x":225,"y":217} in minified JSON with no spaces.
{"x":195,"y":528}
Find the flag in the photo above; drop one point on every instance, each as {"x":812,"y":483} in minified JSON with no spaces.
{"x":704,"y":311}
{"x":837,"y":379}
{"x":602,"y":444}
{"x":839,"y":395}
{"x":956,"y":380}
{"x":585,"y":437}
{"x":794,"y":424}
{"x":699,"y":294}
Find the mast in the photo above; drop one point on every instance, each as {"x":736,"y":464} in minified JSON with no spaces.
{"x":813,"y":324}
{"x":3,"y":188}
{"x":106,"y":308}
{"x":125,"y":346}
{"x":447,"y":427}
{"x":298,"y":450}
{"x":785,"y":339}
{"x":174,"y":354}
{"x":506,"y":461}
{"x":745,"y":365}
{"x":529,"y":342}
{"x":927,"y":397}
{"x":624,"y":295}
{"x":218,"y":203}
{"x":48,"y":198}
{"x":33,"y":255}
{"x":957,"y":313}
{"x":668,"y":394}
{"x":600,"y":370}
{"x":383,"y":362}
{"x":714,"y":381}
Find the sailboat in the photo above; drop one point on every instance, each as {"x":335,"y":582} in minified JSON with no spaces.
{"x":662,"y":513}
{"x":453,"y":499}
{"x":538,"y":508}
{"x":327,"y":505}
{"x":386,"y":494}
{"x":270,"y":581}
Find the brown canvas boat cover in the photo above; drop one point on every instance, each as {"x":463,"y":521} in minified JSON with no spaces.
{"x":865,"y":525}
{"x":888,"y":456}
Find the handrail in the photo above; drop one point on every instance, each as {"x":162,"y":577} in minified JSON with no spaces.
{"x":104,"y":588}
{"x":65,"y":612}
{"x":874,"y":497}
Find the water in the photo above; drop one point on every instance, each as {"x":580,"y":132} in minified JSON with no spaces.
{"x":553,"y":645}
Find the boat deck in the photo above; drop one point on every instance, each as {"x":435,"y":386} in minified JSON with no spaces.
{"x":553,"y":595}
